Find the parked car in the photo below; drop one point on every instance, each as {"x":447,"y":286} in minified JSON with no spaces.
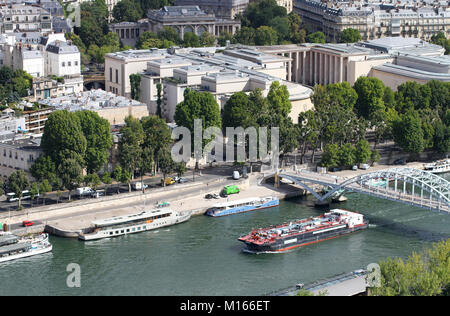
{"x":27,"y":223}
{"x":236,"y":175}
{"x":84,"y":191}
{"x":180,"y":179}
{"x":169,"y":181}
{"x":355,"y":168}
{"x":335,"y":169}
{"x":138,"y":186}
{"x":98,"y":193}
{"x":364,"y":166}
{"x":399,"y":162}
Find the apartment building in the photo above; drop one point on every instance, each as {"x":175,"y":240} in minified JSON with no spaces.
{"x":376,"y":19}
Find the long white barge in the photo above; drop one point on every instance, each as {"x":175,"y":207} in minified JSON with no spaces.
{"x":12,"y":248}
{"x":135,"y":223}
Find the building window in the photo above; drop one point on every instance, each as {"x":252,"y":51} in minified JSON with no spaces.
{"x":63,"y":64}
{"x":117,"y":76}
{"x":110,"y":74}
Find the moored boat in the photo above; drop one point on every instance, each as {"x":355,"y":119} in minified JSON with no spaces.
{"x":299,"y":233}
{"x":440,"y":166}
{"x":134,"y":223}
{"x":12,"y":247}
{"x":243,"y":205}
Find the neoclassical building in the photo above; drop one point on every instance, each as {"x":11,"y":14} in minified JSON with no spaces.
{"x":224,"y":9}
{"x":182,"y":18}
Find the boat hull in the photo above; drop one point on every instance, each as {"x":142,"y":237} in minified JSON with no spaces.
{"x":134,"y":228}
{"x":32,"y":252}
{"x":291,"y":242}
{"x":243,"y":209}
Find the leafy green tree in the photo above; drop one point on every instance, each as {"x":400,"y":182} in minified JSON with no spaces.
{"x":239,"y":111}
{"x":43,"y":168}
{"x":130,"y":150}
{"x":266,"y":35}
{"x":34,"y":191}
{"x":157,"y":135}
{"x":370,"y":91}
{"x":170,"y":34}
{"x":350,"y":36}
{"x":165,"y":163}
{"x":412,"y":96}
{"x":96,"y":130}
{"x":408,"y":132}
{"x":296,"y":33}
{"x":262,"y":12}
{"x":330,"y":157}
{"x":92,"y":180}
{"x":127,"y":11}
{"x":245,"y":35}
{"x":70,"y":173}
{"x":422,"y":274}
{"x":135,"y":82}
{"x":308,"y":132}
{"x":316,"y":37}
{"x":374,"y":156}
{"x":207,"y":39}
{"x":224,"y":37}
{"x":282,"y":26}
{"x":191,"y":40}
{"x":441,"y":39}
{"x":107,"y":181}
{"x":159,"y":100}
{"x":347,"y":155}
{"x":17,"y":183}
{"x":362,"y":152}
{"x":62,"y":136}
{"x":44,"y":188}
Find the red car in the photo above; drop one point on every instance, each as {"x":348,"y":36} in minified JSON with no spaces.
{"x":27,"y":223}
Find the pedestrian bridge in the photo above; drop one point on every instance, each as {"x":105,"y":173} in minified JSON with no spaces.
{"x":406,"y":185}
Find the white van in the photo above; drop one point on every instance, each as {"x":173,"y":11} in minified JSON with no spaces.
{"x":236,"y":175}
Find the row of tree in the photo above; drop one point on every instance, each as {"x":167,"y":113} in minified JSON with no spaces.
{"x":168,"y":37}
{"x":416,"y":117}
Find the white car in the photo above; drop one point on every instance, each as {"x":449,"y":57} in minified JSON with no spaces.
{"x":364,"y":166}
{"x":236,"y":175}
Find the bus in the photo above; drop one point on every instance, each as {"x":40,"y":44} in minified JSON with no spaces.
{"x":11,"y":197}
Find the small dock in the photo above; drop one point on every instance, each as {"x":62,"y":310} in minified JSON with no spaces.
{"x":345,"y":284}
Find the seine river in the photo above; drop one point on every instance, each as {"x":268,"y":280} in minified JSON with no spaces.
{"x":203,"y":256}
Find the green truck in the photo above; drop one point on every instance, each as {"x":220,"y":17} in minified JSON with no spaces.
{"x":230,"y":189}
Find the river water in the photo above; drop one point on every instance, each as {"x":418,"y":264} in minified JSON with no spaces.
{"x":203,"y":256}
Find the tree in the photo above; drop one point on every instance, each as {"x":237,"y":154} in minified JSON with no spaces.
{"x":350,"y":36}
{"x":130,"y":150}
{"x":170,"y":34}
{"x":159,"y":100}
{"x":297,"y":35}
{"x":70,"y":173}
{"x":63,"y":136}
{"x":245,"y":35}
{"x":44,"y":188}
{"x":408,"y":132}
{"x":191,"y":40}
{"x":262,"y":12}
{"x":330,"y":157}
{"x":43,"y":168}
{"x":165,"y":163}
{"x":107,"y":181}
{"x":282,"y":27}
{"x":347,"y":155}
{"x":96,"y":131}
{"x":34,"y":191}
{"x":316,"y":37}
{"x":127,"y":11}
{"x":362,"y":151}
{"x":17,"y":183}
{"x":266,"y":35}
{"x":422,"y":274}
{"x":157,"y":135}
{"x":207,"y":39}
{"x":135,"y":82}
{"x":92,"y":180}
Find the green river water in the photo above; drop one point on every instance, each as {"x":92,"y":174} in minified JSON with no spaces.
{"x":203,"y":256}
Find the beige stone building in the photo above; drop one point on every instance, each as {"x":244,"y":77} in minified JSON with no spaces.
{"x":375,"y":19}
{"x":222,"y":73}
{"x":323,"y":64}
